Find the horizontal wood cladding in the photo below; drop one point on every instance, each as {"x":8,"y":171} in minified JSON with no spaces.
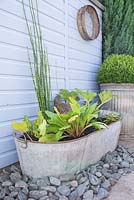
{"x":71,"y":59}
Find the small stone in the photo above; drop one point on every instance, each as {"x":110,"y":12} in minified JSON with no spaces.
{"x":67,"y":177}
{"x":44,"y":198}
{"x":37,"y":194}
{"x":74,"y":196}
{"x":25,"y":191}
{"x":88,"y":195}
{"x":78,"y":177}
{"x":106,"y":185}
{"x":95,"y":188}
{"x":21,"y":184}
{"x":4,"y":177}
{"x":116,"y":176}
{"x":106,"y":173}
{"x":33,"y":186}
{"x":81,"y":189}
{"x":121,"y":171}
{"x":125,"y":164}
{"x":2,"y":193}
{"x":93,"y":180}
{"x":102,"y":193}
{"x":13,"y":194}
{"x":49,"y":188}
{"x":7,"y":184}
{"x":8,"y":198}
{"x":63,"y":190}
{"x":74,"y":183}
{"x":131,"y":166}
{"x":119,"y":159}
{"x":106,"y":166}
{"x":15,"y":177}
{"x":108,"y":158}
{"x":41,"y":183}
{"x":98,"y":174}
{"x":130,"y":160}
{"x":112,"y":181}
{"x":63,"y":198}
{"x":25,"y":178}
{"x":114,"y":168}
{"x":82,"y":180}
{"x":11,"y":188}
{"x":15,"y":169}
{"x":22,"y":196}
{"x":55,"y":181}
{"x":93,"y":169}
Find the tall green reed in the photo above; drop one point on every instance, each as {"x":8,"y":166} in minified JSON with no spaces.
{"x":40,"y":69}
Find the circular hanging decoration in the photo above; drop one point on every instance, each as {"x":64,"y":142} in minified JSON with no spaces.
{"x":88,"y":23}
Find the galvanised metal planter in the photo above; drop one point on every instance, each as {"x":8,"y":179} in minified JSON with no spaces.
{"x":54,"y":159}
{"x":123,"y":104}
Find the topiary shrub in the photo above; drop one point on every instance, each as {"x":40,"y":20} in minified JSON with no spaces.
{"x":117,"y":69}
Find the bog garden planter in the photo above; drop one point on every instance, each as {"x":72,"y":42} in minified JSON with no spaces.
{"x":123,"y":104}
{"x":54,"y":159}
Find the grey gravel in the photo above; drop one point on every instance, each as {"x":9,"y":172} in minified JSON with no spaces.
{"x":7,"y":183}
{"x":16,"y":176}
{"x":93,"y":179}
{"x":64,"y":190}
{"x":36,"y":194}
{"x":55,"y":181}
{"x":88,"y":195}
{"x":92,"y":183}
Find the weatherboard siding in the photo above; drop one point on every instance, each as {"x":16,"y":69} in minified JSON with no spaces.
{"x":73,"y":61}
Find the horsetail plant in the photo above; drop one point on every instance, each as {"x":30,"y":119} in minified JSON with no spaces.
{"x":40,"y":69}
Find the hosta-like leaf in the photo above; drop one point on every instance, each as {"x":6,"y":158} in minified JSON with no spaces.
{"x":72,"y":119}
{"x":48,"y":138}
{"x":106,"y":96}
{"x":59,"y":135}
{"x":75,"y":106}
{"x":99,"y":125}
{"x":20,"y":126}
{"x":42,"y":128}
{"x":28,"y":122}
{"x":87,"y":95}
{"x":66,"y":94}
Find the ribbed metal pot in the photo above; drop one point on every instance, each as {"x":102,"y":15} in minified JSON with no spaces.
{"x":54,"y":159}
{"x":124,"y":104}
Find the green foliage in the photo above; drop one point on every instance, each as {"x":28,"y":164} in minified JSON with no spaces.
{"x":113,"y":117}
{"x":40,"y":68}
{"x":71,"y":124}
{"x":20,"y":126}
{"x":74,"y":123}
{"x":117,"y":69}
{"x":37,"y":129}
{"x":65,"y":94}
{"x":118,"y":27}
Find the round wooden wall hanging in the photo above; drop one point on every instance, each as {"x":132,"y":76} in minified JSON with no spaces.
{"x":88,"y":23}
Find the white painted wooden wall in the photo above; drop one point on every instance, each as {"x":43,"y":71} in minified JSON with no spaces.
{"x":74,"y":62}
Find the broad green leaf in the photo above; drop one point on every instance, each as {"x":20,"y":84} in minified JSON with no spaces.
{"x":59,"y":135}
{"x":106,"y":96}
{"x":72,"y":119}
{"x":48,"y":138}
{"x":29,"y":123}
{"x":20,"y":126}
{"x":75,"y":106}
{"x":66,"y":94}
{"x":99,"y":125}
{"x":87,"y":95}
{"x":64,"y":128}
{"x":42,"y":128}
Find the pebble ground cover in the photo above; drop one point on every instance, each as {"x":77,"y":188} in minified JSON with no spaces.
{"x":93,"y":183}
